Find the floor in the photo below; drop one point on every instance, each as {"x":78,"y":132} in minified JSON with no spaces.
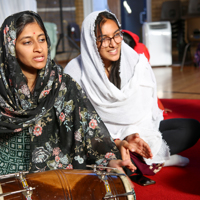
{"x":175,"y":84}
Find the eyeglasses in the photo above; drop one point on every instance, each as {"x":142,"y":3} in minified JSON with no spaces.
{"x":118,"y":37}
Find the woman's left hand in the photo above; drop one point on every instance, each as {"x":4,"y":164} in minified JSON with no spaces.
{"x":122,"y":163}
{"x":124,"y":148}
{"x":119,"y":164}
{"x":139,"y":146}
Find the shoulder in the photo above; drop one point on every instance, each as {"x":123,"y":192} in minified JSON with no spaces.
{"x":71,"y":90}
{"x":70,"y":82}
{"x":76,"y":61}
{"x":73,"y":68}
{"x":141,"y":48}
{"x":143,"y":59}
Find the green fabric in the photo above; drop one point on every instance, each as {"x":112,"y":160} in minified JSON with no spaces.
{"x":52,"y":33}
{"x":14,"y":152}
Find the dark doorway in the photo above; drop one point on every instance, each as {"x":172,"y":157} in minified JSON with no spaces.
{"x":133,"y":22}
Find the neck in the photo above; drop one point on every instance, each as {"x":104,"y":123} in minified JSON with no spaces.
{"x":107,"y":63}
{"x":108,"y":67}
{"x":107,"y":70}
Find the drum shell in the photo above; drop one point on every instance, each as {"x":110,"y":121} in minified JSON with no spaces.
{"x":64,"y":185}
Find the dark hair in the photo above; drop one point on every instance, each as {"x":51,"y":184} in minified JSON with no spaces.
{"x":114,"y":73}
{"x":25,"y":19}
{"x":129,"y":40}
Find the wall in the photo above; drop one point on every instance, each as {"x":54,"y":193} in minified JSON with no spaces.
{"x":115,"y":8}
{"x":74,"y":12}
{"x":178,"y":44}
{"x":157,"y":4}
{"x":79,"y":12}
{"x":49,"y":10}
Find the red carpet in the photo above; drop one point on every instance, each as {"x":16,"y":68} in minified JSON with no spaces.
{"x":176,"y":183}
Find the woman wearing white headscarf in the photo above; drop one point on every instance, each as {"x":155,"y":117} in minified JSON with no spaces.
{"x":122,"y":88}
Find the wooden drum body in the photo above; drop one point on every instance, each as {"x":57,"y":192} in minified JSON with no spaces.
{"x":66,"y":185}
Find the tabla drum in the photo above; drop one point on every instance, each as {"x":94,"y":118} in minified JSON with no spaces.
{"x":63,"y":184}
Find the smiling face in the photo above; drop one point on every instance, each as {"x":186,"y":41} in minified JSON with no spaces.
{"x":31,"y":49}
{"x":112,"y":52}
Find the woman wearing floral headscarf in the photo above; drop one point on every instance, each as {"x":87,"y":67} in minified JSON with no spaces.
{"x":46,"y":121}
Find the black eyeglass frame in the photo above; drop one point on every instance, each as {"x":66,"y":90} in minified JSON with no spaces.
{"x":110,"y":38}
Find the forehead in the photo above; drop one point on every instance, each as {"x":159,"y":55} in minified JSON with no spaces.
{"x":109,"y":27}
{"x":30,"y":29}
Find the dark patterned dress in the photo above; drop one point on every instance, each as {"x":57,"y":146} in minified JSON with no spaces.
{"x":14,"y":152}
{"x":53,"y":127}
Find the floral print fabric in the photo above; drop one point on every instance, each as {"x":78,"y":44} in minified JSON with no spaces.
{"x":72,"y":135}
{"x":65,"y":130}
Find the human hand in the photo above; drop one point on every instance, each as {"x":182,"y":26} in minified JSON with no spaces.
{"x":119,"y":164}
{"x":139,"y":146}
{"x":124,"y":148}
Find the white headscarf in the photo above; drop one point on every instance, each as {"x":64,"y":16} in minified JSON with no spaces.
{"x":131,"y":109}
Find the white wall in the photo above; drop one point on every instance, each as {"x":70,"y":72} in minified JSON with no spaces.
{"x":100,"y":5}
{"x":9,"y":7}
{"x":94,"y":5}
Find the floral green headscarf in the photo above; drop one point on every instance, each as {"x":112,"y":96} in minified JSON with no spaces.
{"x":18,"y":105}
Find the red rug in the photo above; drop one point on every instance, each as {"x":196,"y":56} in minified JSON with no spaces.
{"x":177,"y":183}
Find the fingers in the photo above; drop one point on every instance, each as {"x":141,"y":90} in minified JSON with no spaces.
{"x":132,"y":136}
{"x":115,"y":164}
{"x":122,"y":163}
{"x":138,"y":145}
{"x":136,"y":135}
{"x":127,"y":163}
{"x":119,"y":164}
{"x":145,"y":150}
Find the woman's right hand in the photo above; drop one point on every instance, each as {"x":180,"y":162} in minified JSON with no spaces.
{"x":135,"y":144}
{"x":138,"y":145}
{"x":119,"y":164}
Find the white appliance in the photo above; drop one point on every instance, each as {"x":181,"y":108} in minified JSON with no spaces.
{"x":157,"y":38}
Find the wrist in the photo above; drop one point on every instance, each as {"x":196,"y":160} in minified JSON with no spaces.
{"x":117,"y":142}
